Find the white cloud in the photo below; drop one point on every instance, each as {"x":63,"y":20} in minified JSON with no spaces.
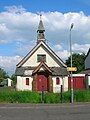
{"x":3,"y":42}
{"x":15,"y":9}
{"x":18,"y":25}
{"x":80,"y":48}
{"x":9,"y":62}
{"x":58,"y":47}
{"x":63,"y":54}
{"x":24,"y":47}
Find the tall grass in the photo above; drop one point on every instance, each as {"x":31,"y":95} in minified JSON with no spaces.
{"x":82,"y":96}
{"x":12,"y":96}
{"x":52,"y":98}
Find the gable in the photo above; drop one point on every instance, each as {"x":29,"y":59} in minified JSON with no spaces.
{"x":87,"y":60}
{"x":51,"y":58}
{"x":88,"y":53}
{"x":32,"y":60}
{"x":42,"y":67}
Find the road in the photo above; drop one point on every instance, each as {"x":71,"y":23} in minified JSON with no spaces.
{"x":45,"y":112}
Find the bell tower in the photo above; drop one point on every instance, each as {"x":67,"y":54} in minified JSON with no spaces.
{"x":40,"y":31}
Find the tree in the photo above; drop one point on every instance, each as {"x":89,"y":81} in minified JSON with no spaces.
{"x":78,"y":60}
{"x":13,"y":78}
{"x":3,"y":75}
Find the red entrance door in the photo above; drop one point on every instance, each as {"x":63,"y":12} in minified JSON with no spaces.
{"x":42,"y":83}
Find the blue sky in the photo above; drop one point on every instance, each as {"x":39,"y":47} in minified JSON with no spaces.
{"x":19,"y":21}
{"x":50,"y":5}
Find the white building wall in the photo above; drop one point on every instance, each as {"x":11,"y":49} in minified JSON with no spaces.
{"x":32,"y":61}
{"x":89,"y":80}
{"x":63,"y":81}
{"x":21,"y":83}
{"x":9,"y":82}
{"x":56,"y":88}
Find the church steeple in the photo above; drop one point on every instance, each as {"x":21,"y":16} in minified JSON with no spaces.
{"x":40,"y":31}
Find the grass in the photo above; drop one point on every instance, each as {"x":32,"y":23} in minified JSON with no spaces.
{"x":12,"y":96}
{"x":82,"y":96}
{"x":9,"y":95}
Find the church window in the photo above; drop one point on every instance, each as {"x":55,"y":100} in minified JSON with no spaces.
{"x":57,"y":81}
{"x":27,"y":81}
{"x":41,"y":57}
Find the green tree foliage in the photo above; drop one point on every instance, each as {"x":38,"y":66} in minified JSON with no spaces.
{"x":3,"y":75}
{"x":78,"y":60}
{"x":13,"y":77}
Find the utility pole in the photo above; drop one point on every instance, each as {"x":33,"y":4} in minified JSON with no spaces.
{"x":72,"y":95}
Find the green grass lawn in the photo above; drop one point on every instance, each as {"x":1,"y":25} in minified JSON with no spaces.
{"x":10,"y":95}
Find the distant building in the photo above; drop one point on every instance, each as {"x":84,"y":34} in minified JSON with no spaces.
{"x":41,"y":69}
{"x":6,"y":82}
{"x":87,"y":67}
{"x":87,"y":61}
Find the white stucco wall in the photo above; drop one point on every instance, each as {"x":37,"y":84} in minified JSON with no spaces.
{"x":89,"y":80}
{"x":9,"y":82}
{"x":21,"y":83}
{"x":56,"y":88}
{"x":63,"y":81}
{"x":32,"y":61}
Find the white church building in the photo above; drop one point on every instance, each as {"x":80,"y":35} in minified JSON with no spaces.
{"x":41,"y":69}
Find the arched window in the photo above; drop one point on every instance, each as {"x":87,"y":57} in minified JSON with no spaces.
{"x":57,"y":80}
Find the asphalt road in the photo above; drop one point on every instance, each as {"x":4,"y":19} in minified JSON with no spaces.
{"x":45,"y":112}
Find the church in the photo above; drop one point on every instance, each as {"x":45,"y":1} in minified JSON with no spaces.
{"x":41,"y":69}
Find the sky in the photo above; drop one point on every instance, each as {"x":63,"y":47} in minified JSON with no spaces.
{"x":19,"y":21}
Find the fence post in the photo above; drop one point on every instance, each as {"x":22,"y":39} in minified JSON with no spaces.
{"x":42,"y":94}
{"x":61,"y":92}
